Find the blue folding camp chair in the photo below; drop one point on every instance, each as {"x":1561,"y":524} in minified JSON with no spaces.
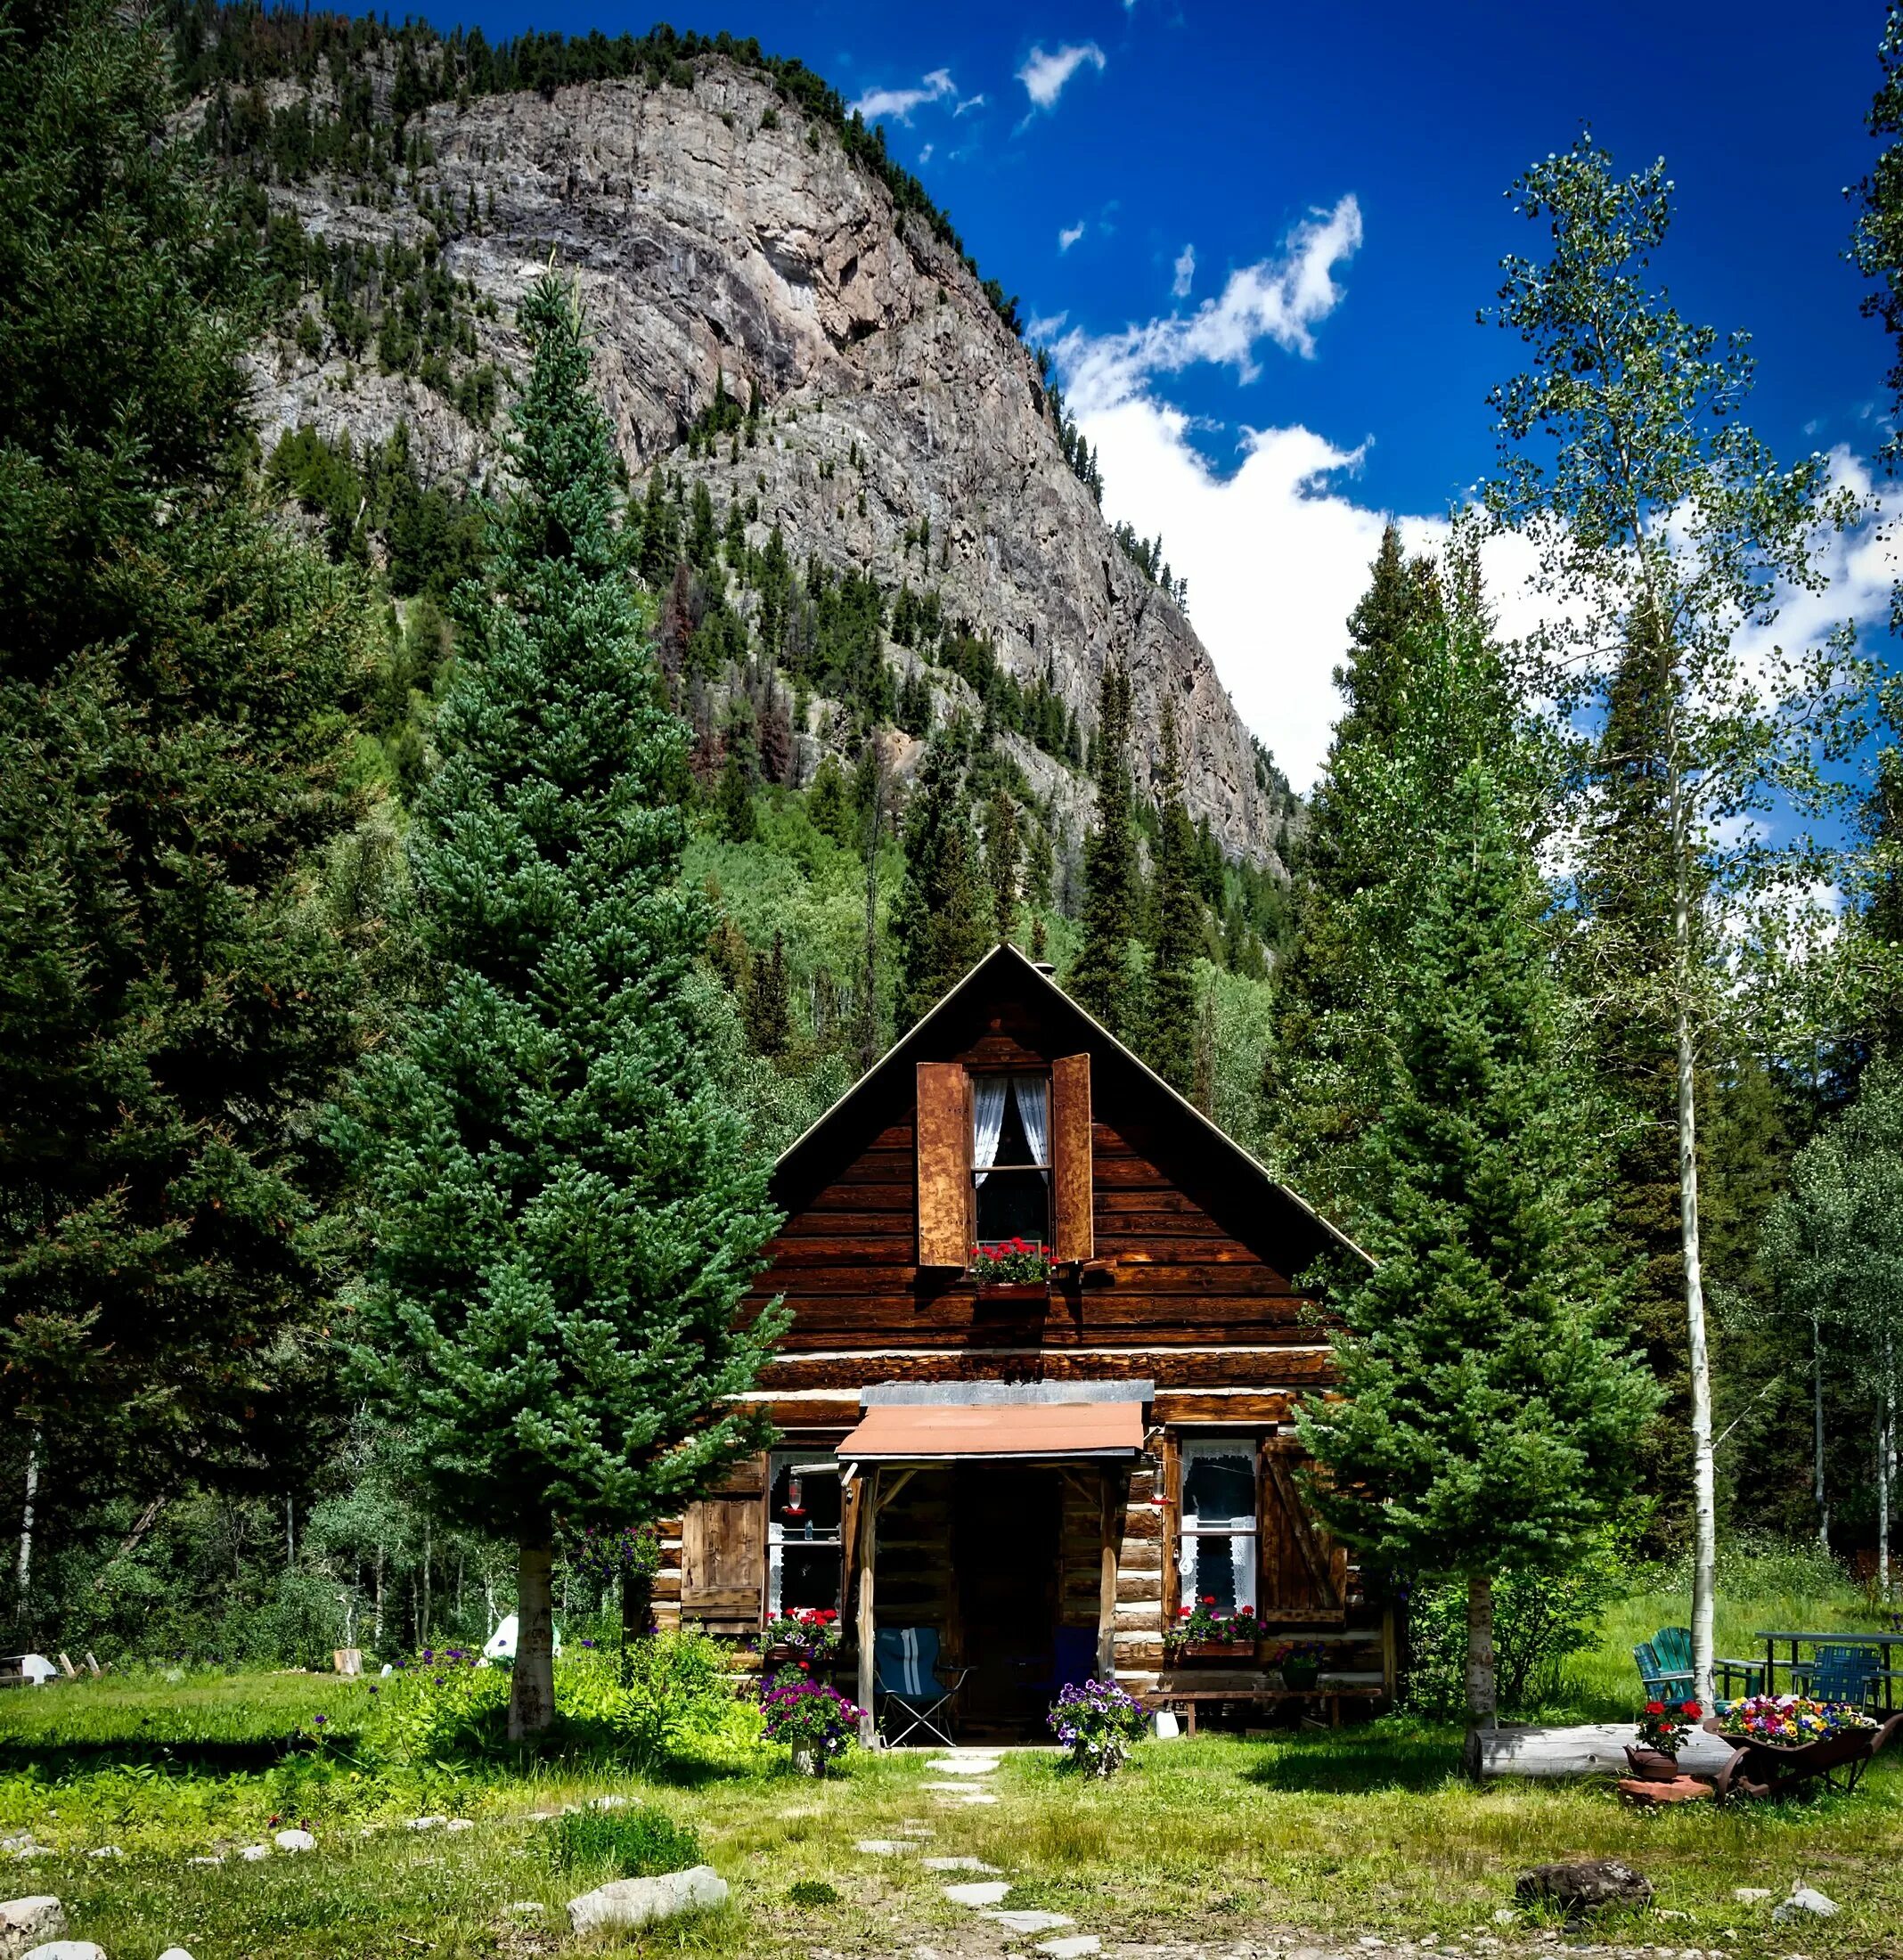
{"x":1844,"y":1674}
{"x":908,"y":1678}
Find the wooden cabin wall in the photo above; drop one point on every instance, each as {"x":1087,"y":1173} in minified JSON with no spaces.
{"x":913,"y":1567}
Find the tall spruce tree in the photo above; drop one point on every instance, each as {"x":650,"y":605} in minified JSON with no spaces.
{"x":565,"y":1212}
{"x":1100,"y":978}
{"x":1168,"y":1021}
{"x":175,"y":682}
{"x":1002,"y":853}
{"x":1487,"y":1399}
{"x":943,"y":920}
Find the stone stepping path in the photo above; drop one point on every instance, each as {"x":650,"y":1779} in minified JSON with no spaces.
{"x":987,"y":1896}
{"x":886,"y":1847}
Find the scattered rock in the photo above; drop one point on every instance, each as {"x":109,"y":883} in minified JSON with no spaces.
{"x":1583,"y":1888}
{"x":31,"y":1849}
{"x":962,"y":1766}
{"x":174,"y":1953}
{"x":1074,"y":1947}
{"x":1804,"y":1902}
{"x":1031,"y":1922}
{"x":1505,"y":1915}
{"x":641,"y":1901}
{"x":217,"y":1860}
{"x":526,"y":1908}
{"x":251,"y":1853}
{"x":608,"y":1803}
{"x":990,"y":1891}
{"x":28,"y":1922}
{"x":1751,"y":1895}
{"x":884,"y":1847}
{"x":461,"y":1824}
{"x":956,"y":1865}
{"x":105,"y":1850}
{"x":67,"y":1950}
{"x":426,"y":1824}
{"x":295,"y":1840}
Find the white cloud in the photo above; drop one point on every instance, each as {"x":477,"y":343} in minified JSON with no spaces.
{"x":924,"y":156}
{"x":898,"y":103}
{"x":1044,"y":75}
{"x":969,"y":103}
{"x":1281,"y":299}
{"x":1070,"y":234}
{"x":1185,"y":273}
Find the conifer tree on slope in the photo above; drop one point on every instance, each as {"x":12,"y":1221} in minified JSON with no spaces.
{"x":1170,"y":1016}
{"x":175,"y":682}
{"x":566,"y":1213}
{"x":944,"y":917}
{"x":1488,"y":1398}
{"x":1100,"y":978}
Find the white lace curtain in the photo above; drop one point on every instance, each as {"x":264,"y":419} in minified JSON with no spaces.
{"x":987,"y":1099}
{"x":1033,"y":1111}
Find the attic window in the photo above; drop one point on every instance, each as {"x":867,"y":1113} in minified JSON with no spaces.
{"x":1010,"y":1156}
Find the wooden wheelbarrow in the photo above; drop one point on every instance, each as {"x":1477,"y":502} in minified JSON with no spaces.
{"x":1775,"y":1769}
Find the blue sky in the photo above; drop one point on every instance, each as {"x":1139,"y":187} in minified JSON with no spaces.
{"x":1119,"y":166}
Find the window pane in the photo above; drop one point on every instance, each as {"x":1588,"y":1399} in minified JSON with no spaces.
{"x":809,"y":1576}
{"x":1219,"y":1485}
{"x":1223,"y":1569}
{"x":805,"y":1502}
{"x":1015,"y":1205}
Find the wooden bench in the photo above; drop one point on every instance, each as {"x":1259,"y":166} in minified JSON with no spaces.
{"x":1172,"y":1698}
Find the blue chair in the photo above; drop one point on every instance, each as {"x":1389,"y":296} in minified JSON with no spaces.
{"x":1665,"y":1663}
{"x":1844,"y":1674}
{"x":907,"y":1676}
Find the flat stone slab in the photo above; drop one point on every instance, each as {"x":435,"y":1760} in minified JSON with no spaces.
{"x":1031,"y":1922}
{"x":884,"y":1847}
{"x":295,"y":1840}
{"x":957,"y":1865}
{"x":990,"y":1891}
{"x":67,"y":1950}
{"x":29,"y":1922}
{"x":968,"y":1796}
{"x":1647,"y":1795}
{"x":963,"y":1766}
{"x":641,"y":1902}
{"x":1074,"y":1947}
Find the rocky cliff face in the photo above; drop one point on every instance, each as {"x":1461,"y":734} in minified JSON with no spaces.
{"x":715,"y":232}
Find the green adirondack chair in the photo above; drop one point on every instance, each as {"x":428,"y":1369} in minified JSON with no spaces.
{"x":1665,"y":1663}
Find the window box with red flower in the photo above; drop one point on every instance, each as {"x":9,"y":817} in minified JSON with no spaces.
{"x":800,"y":1640}
{"x":1207,"y":1632}
{"x":1011,"y":1268}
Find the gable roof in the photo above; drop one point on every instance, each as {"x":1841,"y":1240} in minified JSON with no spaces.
{"x":803,"y":1165}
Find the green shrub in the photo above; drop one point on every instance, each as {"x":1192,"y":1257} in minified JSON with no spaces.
{"x":812,"y":1892}
{"x":441,"y":1704}
{"x":675,"y":1697}
{"x":627,"y":1843}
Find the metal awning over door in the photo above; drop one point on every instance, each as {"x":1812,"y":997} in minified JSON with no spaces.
{"x":998,"y":1423}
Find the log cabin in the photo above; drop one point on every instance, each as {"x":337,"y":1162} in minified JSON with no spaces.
{"x":1044,"y":1474}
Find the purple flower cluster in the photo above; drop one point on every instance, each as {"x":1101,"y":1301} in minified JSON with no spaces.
{"x":1097,"y":1721}
{"x":804,"y":1713}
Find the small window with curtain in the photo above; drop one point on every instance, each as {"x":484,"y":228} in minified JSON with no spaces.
{"x":1010,"y":1156}
{"x":802,"y":1549}
{"x":1216,"y":1558}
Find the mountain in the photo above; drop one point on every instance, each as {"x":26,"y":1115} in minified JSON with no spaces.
{"x":778,"y":313}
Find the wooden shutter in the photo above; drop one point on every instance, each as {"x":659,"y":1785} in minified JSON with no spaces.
{"x":943,"y":1149}
{"x":724,"y":1547}
{"x":1072,"y":1232}
{"x":1304,"y":1570}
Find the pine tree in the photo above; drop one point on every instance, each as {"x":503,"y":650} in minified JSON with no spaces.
{"x":660,"y":534}
{"x":1001,"y":856}
{"x":769,"y":1018}
{"x":1100,"y":979}
{"x":733,"y":804}
{"x":177,"y":679}
{"x":566,"y":1210}
{"x":942,"y":923}
{"x":1487,"y":1399}
{"x":830,"y":807}
{"x":1170,"y":1013}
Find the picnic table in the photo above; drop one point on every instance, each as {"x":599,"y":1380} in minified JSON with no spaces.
{"x":1889,"y":1674}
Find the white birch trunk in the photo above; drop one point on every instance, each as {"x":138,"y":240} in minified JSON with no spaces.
{"x":1705,"y":1479}
{"x":1816,"y":1429}
{"x":1480,"y":1691}
{"x":23,"y":1573}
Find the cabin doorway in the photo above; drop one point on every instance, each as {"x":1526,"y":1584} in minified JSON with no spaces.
{"x":1005,"y":1524}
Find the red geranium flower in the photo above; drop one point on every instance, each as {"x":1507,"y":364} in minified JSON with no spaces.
{"x":1692,"y":1709}
{"x":1655,"y":1708}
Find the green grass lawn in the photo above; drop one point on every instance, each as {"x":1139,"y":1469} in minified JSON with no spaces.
{"x":1369,"y":1830}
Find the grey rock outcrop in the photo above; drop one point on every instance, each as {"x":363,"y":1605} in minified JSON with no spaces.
{"x":714,"y":232}
{"x":27,"y":1923}
{"x":631,"y":1902}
